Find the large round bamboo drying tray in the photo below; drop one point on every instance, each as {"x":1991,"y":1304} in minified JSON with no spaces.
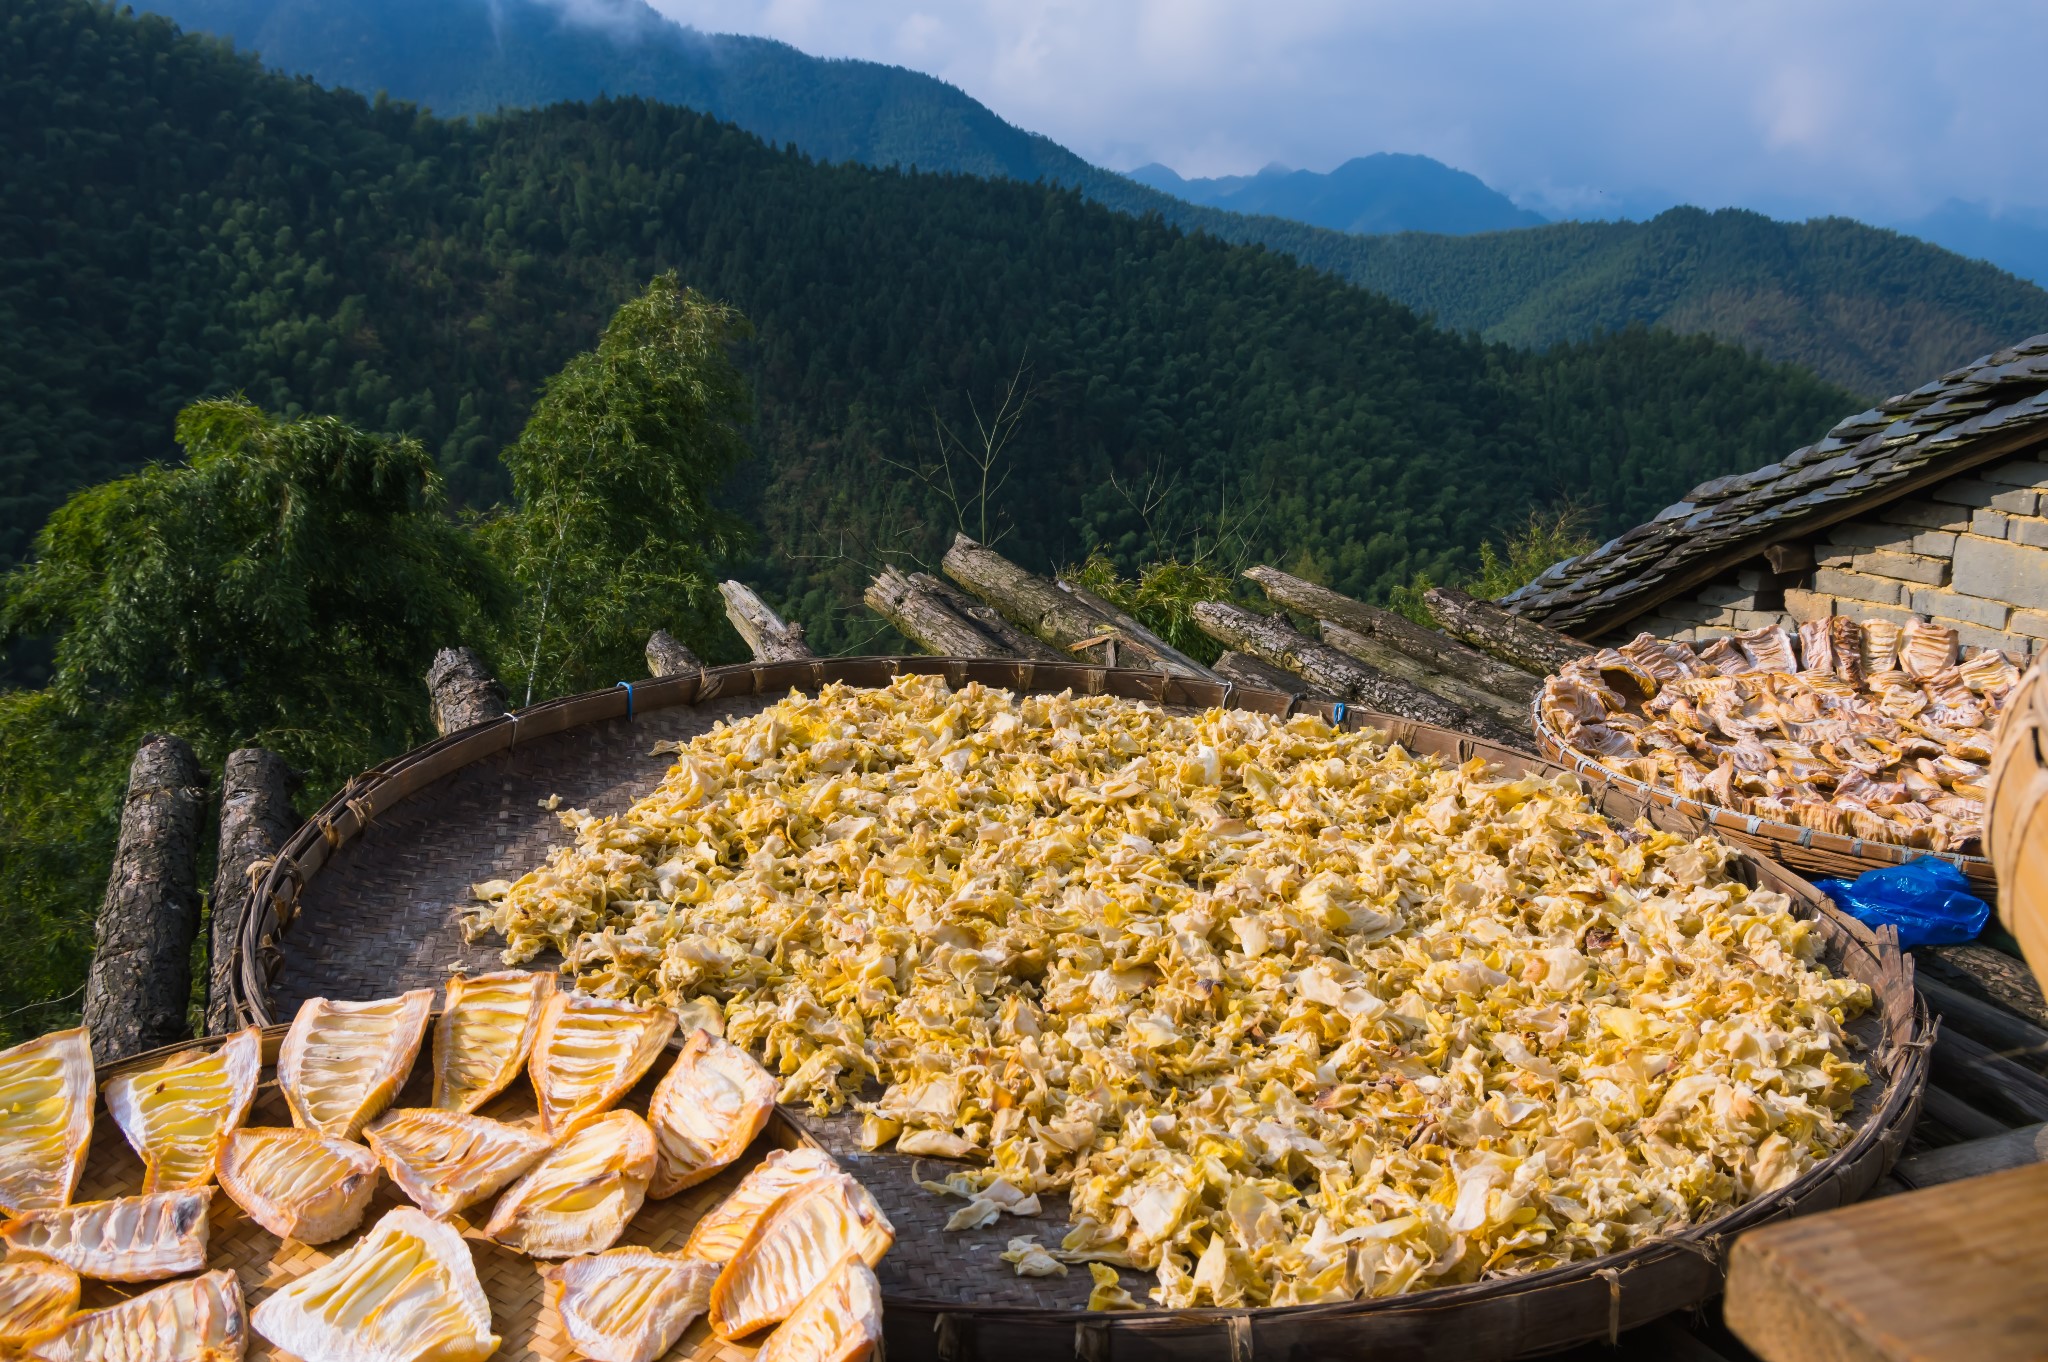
{"x":363,"y":901}
{"x":1804,"y":849}
{"x":2016,"y":823}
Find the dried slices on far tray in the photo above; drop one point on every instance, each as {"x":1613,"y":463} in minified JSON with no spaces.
{"x":179,"y":1114}
{"x":342,"y":1063}
{"x":46,"y":1106}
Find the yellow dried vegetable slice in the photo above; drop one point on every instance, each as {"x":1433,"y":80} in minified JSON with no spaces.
{"x":718,"y":1236}
{"x":35,"y":1297}
{"x":840,"y":1321}
{"x":447,"y":1160}
{"x":589,"y":1053}
{"x":342,"y":1063}
{"x":706,"y":1111}
{"x":298,"y":1184}
{"x":127,"y":1239}
{"x":200,"y":1319}
{"x":46,"y":1103}
{"x":628,"y":1304}
{"x":485,"y":1034}
{"x":794,"y":1248}
{"x":178,"y":1115}
{"x":579,"y":1197}
{"x":406,"y":1290}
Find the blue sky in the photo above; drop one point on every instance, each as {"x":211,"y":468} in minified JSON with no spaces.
{"x":1878,"y":109}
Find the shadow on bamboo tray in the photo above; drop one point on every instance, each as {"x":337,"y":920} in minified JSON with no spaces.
{"x":364,"y":901}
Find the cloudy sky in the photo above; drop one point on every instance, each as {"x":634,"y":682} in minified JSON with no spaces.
{"x":1877,"y":108}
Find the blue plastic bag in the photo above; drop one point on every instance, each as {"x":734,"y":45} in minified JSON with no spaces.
{"x":1928,"y":900}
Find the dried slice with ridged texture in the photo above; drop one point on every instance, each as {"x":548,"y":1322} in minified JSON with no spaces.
{"x":706,"y":1111}
{"x":36,"y":1296}
{"x":718,"y":1236}
{"x":342,"y":1063}
{"x":446,"y":1160}
{"x":407,"y":1290}
{"x":628,"y":1304}
{"x":200,"y":1319}
{"x":795,"y":1247}
{"x":589,"y":1053}
{"x":579,"y":1198}
{"x":485,"y":1035}
{"x":298,"y":1184}
{"x":840,"y":1321}
{"x":178,"y":1115}
{"x":46,"y":1103}
{"x":127,"y":1239}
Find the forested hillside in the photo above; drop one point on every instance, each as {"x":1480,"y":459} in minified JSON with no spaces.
{"x":175,"y":223}
{"x":1872,"y":310}
{"x":1369,"y":194}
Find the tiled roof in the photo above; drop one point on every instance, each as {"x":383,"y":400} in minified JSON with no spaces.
{"x":1962,"y":419}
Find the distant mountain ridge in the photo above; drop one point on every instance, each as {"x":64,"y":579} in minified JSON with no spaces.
{"x":1384,"y":192}
{"x":1872,"y":310}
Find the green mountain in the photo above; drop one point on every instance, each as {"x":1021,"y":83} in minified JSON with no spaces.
{"x":1367,"y":194}
{"x":175,"y":223}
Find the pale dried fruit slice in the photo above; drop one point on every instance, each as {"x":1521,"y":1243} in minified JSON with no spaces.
{"x":405,"y":1292}
{"x":840,"y":1321}
{"x":46,"y":1103}
{"x":588,"y":1053}
{"x":36,"y":1296}
{"x":628,"y":1304}
{"x":446,"y":1160}
{"x":179,"y":1114}
{"x":706,"y":1111}
{"x":342,"y":1063}
{"x":795,"y":1247}
{"x":485,"y":1034}
{"x":298,"y":1184}
{"x":579,"y":1197}
{"x":200,"y":1319}
{"x":127,"y":1239}
{"x":718,"y":1236}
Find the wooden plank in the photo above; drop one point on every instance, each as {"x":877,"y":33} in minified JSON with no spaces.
{"x":1974,"y":1158}
{"x":1987,"y":974}
{"x":2013,"y":1037}
{"x":1953,"y":1273}
{"x":1976,"y":1074}
{"x":1952,"y":1113}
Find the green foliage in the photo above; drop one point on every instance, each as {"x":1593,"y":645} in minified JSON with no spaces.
{"x":613,"y":528}
{"x":1549,"y":537}
{"x":1162,"y":597}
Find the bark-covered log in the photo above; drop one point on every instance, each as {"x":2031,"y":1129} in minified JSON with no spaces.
{"x":462,"y":691}
{"x":1324,"y":668}
{"x":927,"y":620}
{"x":1486,"y":626}
{"x":1026,"y":599}
{"x":256,"y":817}
{"x":1159,"y":654}
{"x":1247,"y":670}
{"x":1015,"y":641}
{"x":140,"y":985}
{"x":1979,"y":1076}
{"x":767,"y":635}
{"x":667,"y":655}
{"x":1437,"y":651}
{"x":1394,"y":662}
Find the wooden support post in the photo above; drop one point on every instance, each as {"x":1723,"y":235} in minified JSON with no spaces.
{"x":462,"y":691}
{"x":1974,"y":1158}
{"x":140,"y":985}
{"x":256,"y":817}
{"x":1394,"y":662}
{"x":927,"y":620}
{"x":767,"y":635}
{"x":1247,"y":670}
{"x":668,"y":656}
{"x":1275,"y":641}
{"x":1503,"y":633}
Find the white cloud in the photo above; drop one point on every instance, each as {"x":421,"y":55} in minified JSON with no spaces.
{"x":1880,"y":108}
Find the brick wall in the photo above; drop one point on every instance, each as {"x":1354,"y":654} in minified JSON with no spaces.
{"x":1971,"y":553}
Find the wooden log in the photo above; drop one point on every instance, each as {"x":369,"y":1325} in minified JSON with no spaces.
{"x":767,"y":635}
{"x":1987,"y":974}
{"x":1957,"y":1116}
{"x":1974,"y":1158}
{"x":927,"y":620}
{"x":140,"y":985}
{"x":1947,"y":1274}
{"x":2011,"y":1036}
{"x":1489,"y":628}
{"x":256,"y":816}
{"x":1438,"y":651}
{"x":1015,"y":641}
{"x":1163,"y":656}
{"x":1394,"y":662}
{"x":462,"y":691}
{"x":1063,"y":619}
{"x":668,"y":655}
{"x":1978,"y":1076}
{"x":1247,"y":670}
{"x":1275,"y":641}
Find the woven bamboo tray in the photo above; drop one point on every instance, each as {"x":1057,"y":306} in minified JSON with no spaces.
{"x":2016,"y":823}
{"x":1805,"y":849}
{"x":363,"y":902}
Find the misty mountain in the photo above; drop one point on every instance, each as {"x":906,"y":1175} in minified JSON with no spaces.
{"x":1384,"y":192}
{"x":2015,"y":243}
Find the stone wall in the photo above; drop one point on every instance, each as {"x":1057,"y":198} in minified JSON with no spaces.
{"x":1971,"y":553}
